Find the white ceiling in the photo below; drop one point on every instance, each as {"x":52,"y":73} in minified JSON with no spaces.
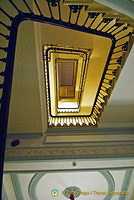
{"x":93,"y":177}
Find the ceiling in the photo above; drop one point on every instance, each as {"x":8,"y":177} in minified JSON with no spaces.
{"x":59,"y":175}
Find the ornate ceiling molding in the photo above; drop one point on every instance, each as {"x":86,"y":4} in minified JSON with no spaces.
{"x":33,"y":184}
{"x":93,"y":151}
{"x":36,"y":178}
{"x":16,"y":186}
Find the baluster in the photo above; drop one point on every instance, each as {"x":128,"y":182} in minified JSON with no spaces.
{"x":103,"y":93}
{"x":87,"y":120}
{"x":109,"y":76}
{"x":5,"y":13}
{"x":112,"y":26}
{"x":59,"y":121}
{"x":56,"y":121}
{"x":124,"y":36}
{"x":107,"y":21}
{"x":77,"y":121}
{"x":91,"y":119}
{"x":28,"y":6}
{"x":118,"y":61}
{"x":75,"y":9}
{"x":93,"y":15}
{"x":79,"y":10}
{"x":106,"y":85}
{"x":94,"y":120}
{"x":68,"y":121}
{"x":86,"y":19}
{"x":99,"y":105}
{"x":38,"y":8}
{"x":3,"y":49}
{"x":83,"y":121}
{"x":5,"y":36}
{"x":112,"y":72}
{"x":3,"y":60}
{"x":59,"y":10}
{"x":124,"y":44}
{"x":8,"y":27}
{"x":96,"y":107}
{"x":100,"y":102}
{"x":101,"y":99}
{"x":62,"y":121}
{"x":13,"y":4}
{"x":71,"y":121}
{"x":110,"y":67}
{"x":108,"y":81}
{"x":100,"y":22}
{"x":97,"y":114}
{"x":118,"y":25}
{"x":104,"y":89}
{"x":50,"y":120}
{"x":70,"y":13}
{"x":123,"y":29}
{"x":117,"y":51}
{"x":50,"y":10}
{"x":80,"y":121}
{"x":102,"y":96}
{"x":114,"y":59}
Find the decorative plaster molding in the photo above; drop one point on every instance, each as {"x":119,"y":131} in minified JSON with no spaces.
{"x":36,"y":178}
{"x":126,"y":182}
{"x":110,"y":181}
{"x":32,"y":185}
{"x":23,"y":135}
{"x":4,"y":194}
{"x":17,"y":187}
{"x":118,"y":150}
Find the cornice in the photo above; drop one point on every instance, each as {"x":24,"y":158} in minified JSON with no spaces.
{"x":111,"y":151}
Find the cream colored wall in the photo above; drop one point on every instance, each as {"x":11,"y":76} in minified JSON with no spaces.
{"x":24,"y":114}
{"x":25,"y":111}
